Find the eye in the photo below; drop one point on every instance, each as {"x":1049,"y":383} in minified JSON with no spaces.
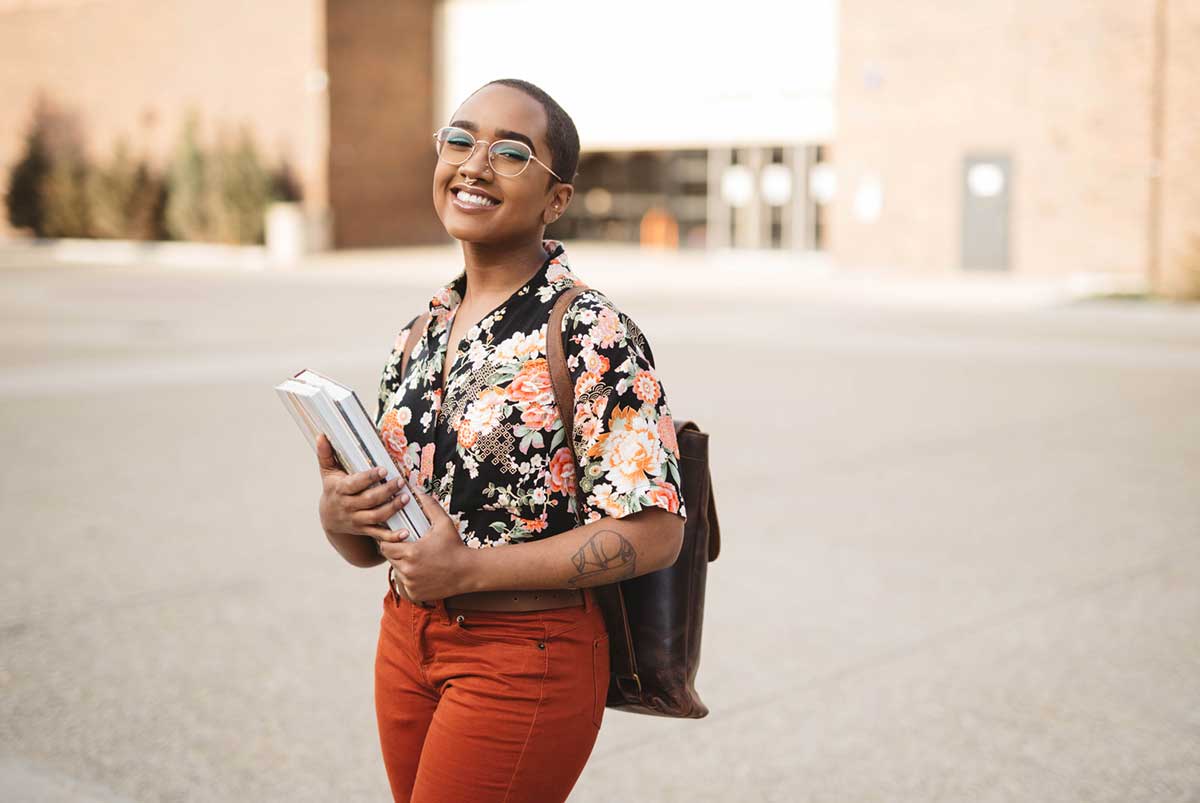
{"x":512,"y":153}
{"x":459,"y":141}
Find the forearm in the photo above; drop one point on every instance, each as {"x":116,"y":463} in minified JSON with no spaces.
{"x":357,"y":550}
{"x":606,"y":551}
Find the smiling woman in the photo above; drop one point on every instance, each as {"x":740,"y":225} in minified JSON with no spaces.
{"x":492,"y":669}
{"x":485,"y":155}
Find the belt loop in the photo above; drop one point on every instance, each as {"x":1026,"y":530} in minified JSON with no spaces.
{"x":440,"y":605}
{"x":588,"y":600}
{"x":392,"y":588}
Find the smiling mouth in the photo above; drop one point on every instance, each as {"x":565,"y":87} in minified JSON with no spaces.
{"x":472,"y":200}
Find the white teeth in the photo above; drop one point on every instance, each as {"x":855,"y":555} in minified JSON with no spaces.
{"x":477,"y":200}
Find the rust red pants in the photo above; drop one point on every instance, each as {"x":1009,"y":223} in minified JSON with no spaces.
{"x":499,"y":706}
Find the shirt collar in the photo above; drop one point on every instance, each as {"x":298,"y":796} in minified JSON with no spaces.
{"x":446,"y":299}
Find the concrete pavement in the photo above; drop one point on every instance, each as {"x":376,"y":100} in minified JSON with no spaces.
{"x":961,"y":556}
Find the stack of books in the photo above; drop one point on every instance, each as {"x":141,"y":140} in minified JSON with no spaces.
{"x":320,"y":405}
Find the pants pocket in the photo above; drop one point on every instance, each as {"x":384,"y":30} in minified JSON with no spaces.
{"x":600,"y":678}
{"x":521,"y":629}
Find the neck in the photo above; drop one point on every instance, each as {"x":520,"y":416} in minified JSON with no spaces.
{"x":496,"y":271}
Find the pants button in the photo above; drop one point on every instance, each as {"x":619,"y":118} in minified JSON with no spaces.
{"x":460,"y":618}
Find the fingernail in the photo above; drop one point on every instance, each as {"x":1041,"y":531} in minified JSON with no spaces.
{"x":382,"y":472}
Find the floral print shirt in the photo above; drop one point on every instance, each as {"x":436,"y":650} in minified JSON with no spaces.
{"x":490,"y":446}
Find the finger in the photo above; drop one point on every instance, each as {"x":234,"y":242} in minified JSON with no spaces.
{"x":325,"y":456}
{"x":381,"y":494}
{"x":378,"y":515}
{"x":384,"y":534}
{"x":395,"y":550}
{"x":429,"y":506}
{"x":361,"y":480}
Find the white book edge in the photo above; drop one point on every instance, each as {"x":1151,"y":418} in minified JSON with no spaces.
{"x":321,"y":411}
{"x":300,"y":416}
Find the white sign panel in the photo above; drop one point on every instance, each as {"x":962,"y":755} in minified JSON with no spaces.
{"x":653,"y":74}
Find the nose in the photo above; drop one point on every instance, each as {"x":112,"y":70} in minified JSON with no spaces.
{"x":477,"y":163}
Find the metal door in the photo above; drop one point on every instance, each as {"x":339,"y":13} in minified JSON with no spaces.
{"x":986,"y":192}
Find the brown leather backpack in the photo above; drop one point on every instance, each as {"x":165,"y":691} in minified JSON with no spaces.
{"x":654,"y":620}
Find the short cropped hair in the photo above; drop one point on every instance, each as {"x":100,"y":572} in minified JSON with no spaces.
{"x":561,"y":135}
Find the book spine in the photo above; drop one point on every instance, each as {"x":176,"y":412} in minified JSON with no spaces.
{"x":353,"y":458}
{"x":398,"y":520}
{"x":356,"y":414}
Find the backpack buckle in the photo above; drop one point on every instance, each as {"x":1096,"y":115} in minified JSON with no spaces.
{"x":637,"y":683}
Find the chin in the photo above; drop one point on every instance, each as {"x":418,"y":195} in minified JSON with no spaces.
{"x":470,"y":234}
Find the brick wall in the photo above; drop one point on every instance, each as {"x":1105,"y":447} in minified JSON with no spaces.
{"x":1064,"y":87}
{"x":381,"y":163}
{"x":135,"y":67}
{"x":1180,"y":201}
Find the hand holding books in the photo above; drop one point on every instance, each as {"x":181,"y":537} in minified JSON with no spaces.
{"x":332,"y":418}
{"x":359,"y":503}
{"x":438,"y":566}
{"x":363,"y":493}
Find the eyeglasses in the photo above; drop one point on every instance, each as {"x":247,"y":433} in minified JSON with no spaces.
{"x":507,"y":157}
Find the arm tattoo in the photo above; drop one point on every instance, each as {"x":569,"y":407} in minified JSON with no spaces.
{"x":607,"y":556}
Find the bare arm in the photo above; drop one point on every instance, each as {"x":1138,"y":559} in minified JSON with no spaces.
{"x":357,"y":550}
{"x":440,"y":565}
{"x":606,"y":551}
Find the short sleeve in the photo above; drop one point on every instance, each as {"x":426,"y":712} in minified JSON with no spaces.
{"x":627,"y":454}
{"x":389,"y":382}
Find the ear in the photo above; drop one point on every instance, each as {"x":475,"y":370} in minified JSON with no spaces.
{"x":557,"y":202}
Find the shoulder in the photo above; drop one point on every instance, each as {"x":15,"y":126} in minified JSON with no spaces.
{"x":594,"y":321}
{"x":588,"y":306}
{"x":588,"y":299}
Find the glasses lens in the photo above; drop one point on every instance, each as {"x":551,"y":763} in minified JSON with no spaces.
{"x":509,"y":157}
{"x":454,"y":145}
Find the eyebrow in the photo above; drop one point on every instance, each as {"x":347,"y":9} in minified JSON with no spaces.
{"x":502,"y":133}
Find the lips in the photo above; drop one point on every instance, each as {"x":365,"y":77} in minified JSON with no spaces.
{"x":472,"y":201}
{"x":473,"y":191}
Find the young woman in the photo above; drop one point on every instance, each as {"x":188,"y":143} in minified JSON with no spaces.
{"x":492,"y":667}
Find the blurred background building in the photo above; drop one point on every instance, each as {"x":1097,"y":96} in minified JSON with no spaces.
{"x":1021,"y":137}
{"x":1040,"y":138}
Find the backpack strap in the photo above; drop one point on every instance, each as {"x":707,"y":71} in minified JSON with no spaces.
{"x":560,"y":378}
{"x":714,"y":528}
{"x":609,"y":596}
{"x":414,"y":334}
{"x":709,"y":501}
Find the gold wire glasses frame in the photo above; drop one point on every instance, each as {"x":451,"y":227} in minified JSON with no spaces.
{"x":506,"y":157}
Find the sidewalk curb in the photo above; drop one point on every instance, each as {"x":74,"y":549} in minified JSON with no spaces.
{"x":167,"y":254}
{"x":736,"y":274}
